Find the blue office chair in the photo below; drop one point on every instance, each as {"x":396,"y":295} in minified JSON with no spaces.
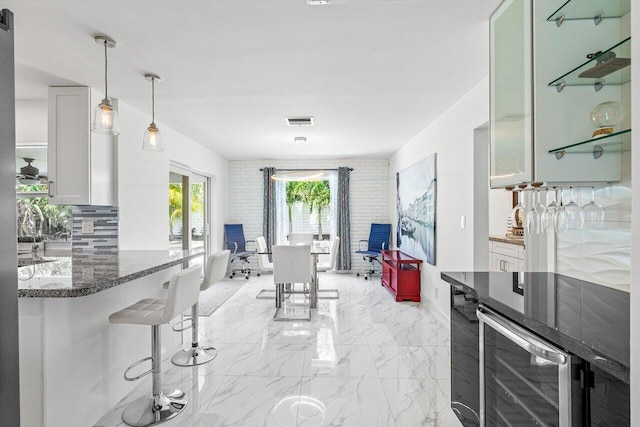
{"x":378,"y":241}
{"x":235,"y":242}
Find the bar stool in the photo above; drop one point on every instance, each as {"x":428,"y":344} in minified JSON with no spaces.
{"x":215,"y":271}
{"x":184,"y":288}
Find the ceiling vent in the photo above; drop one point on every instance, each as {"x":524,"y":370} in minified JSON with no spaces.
{"x":317,"y":2}
{"x":299,"y":121}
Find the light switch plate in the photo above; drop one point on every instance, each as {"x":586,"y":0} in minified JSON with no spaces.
{"x":463,"y":221}
{"x":87,"y":227}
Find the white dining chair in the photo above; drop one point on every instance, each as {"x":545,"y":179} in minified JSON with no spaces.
{"x":265,"y":266}
{"x":301,"y":239}
{"x":326,"y":266}
{"x":263,"y":258}
{"x":333,"y":255}
{"x":291,"y":264}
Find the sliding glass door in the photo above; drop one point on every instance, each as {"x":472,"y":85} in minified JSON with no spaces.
{"x":188,"y":227}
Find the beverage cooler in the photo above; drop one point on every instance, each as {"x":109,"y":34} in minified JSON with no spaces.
{"x":523,"y":379}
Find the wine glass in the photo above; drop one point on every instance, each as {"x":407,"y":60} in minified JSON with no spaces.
{"x":593,"y":213}
{"x":534,"y":216}
{"x":574,"y":212}
{"x":532,"y":222}
{"x":561,"y":222}
{"x":549,"y":215}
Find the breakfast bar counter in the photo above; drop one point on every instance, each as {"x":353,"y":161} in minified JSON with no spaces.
{"x":82,"y":274}
{"x":69,"y":352}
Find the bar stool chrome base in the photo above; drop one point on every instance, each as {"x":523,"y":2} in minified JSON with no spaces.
{"x":194,"y":356}
{"x":152,"y":410}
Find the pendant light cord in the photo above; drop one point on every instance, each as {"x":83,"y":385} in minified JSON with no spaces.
{"x":105,"y":71}
{"x":153,"y":100}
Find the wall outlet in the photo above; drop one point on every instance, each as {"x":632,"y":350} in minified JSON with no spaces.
{"x":436,"y":293}
{"x":87,"y":227}
{"x":463,"y":221}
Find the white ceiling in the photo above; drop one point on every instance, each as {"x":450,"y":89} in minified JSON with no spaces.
{"x":373,"y":73}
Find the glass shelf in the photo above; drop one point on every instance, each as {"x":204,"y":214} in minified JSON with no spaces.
{"x":621,"y":50}
{"x":590,"y":9}
{"x":613,"y":143}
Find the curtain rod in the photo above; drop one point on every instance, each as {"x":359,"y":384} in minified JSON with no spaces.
{"x":304,"y":170}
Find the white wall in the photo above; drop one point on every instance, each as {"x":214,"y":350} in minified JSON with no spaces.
{"x":369,"y":195}
{"x":499,"y":209}
{"x":143,"y":182}
{"x":635,"y":225}
{"x":451,"y":136}
{"x":31,"y":121}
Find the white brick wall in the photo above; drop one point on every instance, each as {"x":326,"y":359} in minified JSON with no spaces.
{"x":369,"y":195}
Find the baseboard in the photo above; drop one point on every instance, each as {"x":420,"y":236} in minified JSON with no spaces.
{"x":432,"y":307}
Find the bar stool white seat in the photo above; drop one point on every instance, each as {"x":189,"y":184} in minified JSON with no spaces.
{"x":215,"y":270}
{"x":184,"y":288}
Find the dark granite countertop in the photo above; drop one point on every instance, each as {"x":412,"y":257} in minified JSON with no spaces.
{"x":85,"y":274}
{"x":589,"y":320}
{"x":510,"y":240}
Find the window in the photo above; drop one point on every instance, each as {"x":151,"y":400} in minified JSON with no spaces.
{"x":37,"y":220}
{"x":305,"y":205}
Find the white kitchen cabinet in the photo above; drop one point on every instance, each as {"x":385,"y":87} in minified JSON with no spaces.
{"x":81,"y":164}
{"x":530,"y":119}
{"x":506,"y":257}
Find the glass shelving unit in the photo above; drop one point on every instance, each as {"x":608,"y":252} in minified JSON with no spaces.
{"x":613,"y":143}
{"x":590,"y":9}
{"x":619,"y":52}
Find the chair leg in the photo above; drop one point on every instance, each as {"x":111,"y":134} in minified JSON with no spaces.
{"x":159,"y":407}
{"x":196,"y":355}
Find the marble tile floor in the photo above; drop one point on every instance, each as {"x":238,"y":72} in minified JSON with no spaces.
{"x":363,"y":360}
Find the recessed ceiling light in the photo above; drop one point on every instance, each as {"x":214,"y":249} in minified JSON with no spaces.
{"x":317,"y":2}
{"x":300,"y":139}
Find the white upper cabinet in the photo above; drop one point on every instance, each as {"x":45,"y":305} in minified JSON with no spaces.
{"x":81,"y":164}
{"x":539,"y":133}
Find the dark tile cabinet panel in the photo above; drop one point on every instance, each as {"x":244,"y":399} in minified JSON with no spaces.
{"x":609,"y":400}
{"x":465,"y":365}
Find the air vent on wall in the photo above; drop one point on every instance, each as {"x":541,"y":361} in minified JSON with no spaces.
{"x":299,"y":121}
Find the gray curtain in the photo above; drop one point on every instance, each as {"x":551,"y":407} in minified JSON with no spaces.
{"x":269,"y":214}
{"x":343,"y":262}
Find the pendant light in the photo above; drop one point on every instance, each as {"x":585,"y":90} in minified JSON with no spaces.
{"x":152,"y":137}
{"x":105,"y":117}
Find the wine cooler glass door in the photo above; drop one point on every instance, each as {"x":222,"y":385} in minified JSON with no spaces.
{"x":523,"y":379}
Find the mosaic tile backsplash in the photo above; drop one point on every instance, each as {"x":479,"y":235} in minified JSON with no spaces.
{"x":104,"y":238}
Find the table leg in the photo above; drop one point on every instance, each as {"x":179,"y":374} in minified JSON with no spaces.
{"x":313,"y":303}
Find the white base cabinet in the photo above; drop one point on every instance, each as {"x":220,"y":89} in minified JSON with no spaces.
{"x":81,"y":164}
{"x":506,"y":257}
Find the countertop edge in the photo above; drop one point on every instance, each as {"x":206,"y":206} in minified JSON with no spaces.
{"x":518,"y":242}
{"x":606,"y":363}
{"x":85,"y":291}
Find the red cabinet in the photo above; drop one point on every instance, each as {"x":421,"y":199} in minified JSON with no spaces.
{"x":401,"y":275}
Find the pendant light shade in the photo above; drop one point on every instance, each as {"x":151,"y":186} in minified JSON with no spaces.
{"x":105,"y":117}
{"x":152,"y":140}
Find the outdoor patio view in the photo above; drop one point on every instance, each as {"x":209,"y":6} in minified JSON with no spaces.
{"x":195,"y":219}
{"x":37,"y":220}
{"x":304,"y":207}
